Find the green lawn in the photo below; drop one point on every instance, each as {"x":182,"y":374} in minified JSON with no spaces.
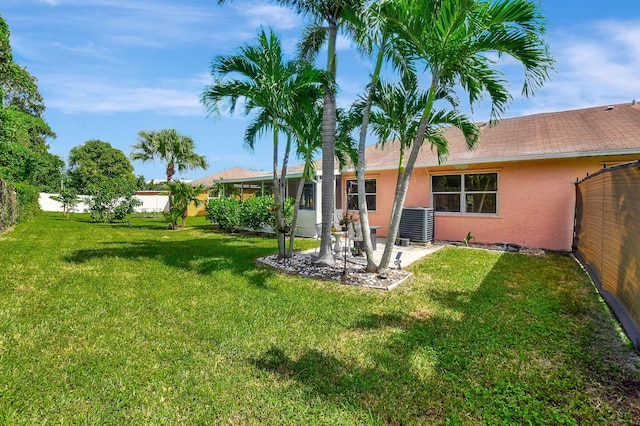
{"x":107,"y":324}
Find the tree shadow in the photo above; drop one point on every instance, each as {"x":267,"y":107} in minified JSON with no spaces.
{"x":446,"y":365}
{"x":204,"y":256}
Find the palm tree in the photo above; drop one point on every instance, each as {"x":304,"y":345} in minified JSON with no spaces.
{"x":270,"y":85}
{"x":375,"y":33}
{"x":173,"y":149}
{"x":182,"y":195}
{"x":451,"y":39}
{"x":306,"y":126}
{"x":328,"y":17}
{"x":396,"y":115}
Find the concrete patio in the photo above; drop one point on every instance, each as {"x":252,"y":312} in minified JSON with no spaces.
{"x":410,"y":254}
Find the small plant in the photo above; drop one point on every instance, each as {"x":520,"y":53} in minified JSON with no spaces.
{"x":348,"y":219}
{"x":69,"y":199}
{"x":468,"y":238}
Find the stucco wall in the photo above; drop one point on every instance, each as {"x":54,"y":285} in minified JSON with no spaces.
{"x":536,"y":201}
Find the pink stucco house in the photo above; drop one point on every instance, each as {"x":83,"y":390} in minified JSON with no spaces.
{"x":518,"y":184}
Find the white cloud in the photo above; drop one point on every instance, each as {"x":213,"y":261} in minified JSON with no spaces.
{"x":342,"y":43}
{"x":596,"y":65}
{"x":50,"y":2}
{"x":264,"y":15}
{"x":79,"y":94}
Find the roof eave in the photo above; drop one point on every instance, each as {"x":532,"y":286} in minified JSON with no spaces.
{"x":533,"y":157}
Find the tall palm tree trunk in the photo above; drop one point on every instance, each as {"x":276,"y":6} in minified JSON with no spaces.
{"x":360,"y":167}
{"x":282,"y":250}
{"x":402,"y":185}
{"x":277,"y":201}
{"x":296,"y":211}
{"x":328,"y":154}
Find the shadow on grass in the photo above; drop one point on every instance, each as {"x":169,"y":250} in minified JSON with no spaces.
{"x":203,"y":256}
{"x":506,"y":350}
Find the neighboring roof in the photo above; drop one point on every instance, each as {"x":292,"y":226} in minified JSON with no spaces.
{"x":232,"y":174}
{"x":603,"y":130}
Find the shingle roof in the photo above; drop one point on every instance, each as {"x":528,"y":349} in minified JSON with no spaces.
{"x":603,"y":130}
{"x":229,"y":174}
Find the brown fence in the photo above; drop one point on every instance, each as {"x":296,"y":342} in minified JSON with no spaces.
{"x":607,"y":239}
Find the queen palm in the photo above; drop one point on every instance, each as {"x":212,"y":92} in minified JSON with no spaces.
{"x":375,"y":33}
{"x":270,"y":86}
{"x":452,"y":41}
{"x":174,"y":150}
{"x":306,"y":125}
{"x":328,"y":17}
{"x":396,"y":115}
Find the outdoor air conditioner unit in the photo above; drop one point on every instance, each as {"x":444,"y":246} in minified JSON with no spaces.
{"x":416,"y":223}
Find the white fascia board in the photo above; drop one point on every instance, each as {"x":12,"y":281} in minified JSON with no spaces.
{"x":550,"y":156}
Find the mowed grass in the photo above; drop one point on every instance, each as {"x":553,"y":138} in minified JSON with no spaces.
{"x":111,"y":324}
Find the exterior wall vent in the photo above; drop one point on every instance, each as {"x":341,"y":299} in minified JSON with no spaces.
{"x":417,"y":224}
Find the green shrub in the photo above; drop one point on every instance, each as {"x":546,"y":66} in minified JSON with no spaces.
{"x":225,"y":212}
{"x":256,"y":213}
{"x":27,"y":197}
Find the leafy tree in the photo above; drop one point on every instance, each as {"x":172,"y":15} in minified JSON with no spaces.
{"x":114,"y":201}
{"x":24,"y":160}
{"x":270,"y":84}
{"x":68,"y":198}
{"x":105,"y":173}
{"x":450,"y":39}
{"x":21,"y":104}
{"x":174,"y":150}
{"x":8,"y":206}
{"x":96,"y":165}
{"x":21,"y":164}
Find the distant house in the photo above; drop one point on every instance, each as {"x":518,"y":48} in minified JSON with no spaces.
{"x":516,"y":186}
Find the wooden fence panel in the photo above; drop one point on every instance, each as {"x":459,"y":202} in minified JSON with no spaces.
{"x":607,"y":239}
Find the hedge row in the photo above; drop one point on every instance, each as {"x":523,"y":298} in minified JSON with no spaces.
{"x":255,"y":213}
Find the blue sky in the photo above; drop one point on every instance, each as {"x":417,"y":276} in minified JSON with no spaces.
{"x":110,"y":68}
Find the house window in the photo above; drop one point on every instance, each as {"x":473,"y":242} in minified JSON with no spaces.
{"x":308,"y":200}
{"x":474,"y":193}
{"x":369,"y":191}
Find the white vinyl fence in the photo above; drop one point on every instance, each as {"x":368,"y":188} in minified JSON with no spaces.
{"x":150,"y":203}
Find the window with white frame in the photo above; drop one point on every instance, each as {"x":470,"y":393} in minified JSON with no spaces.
{"x":472,"y":193}
{"x":369,"y":192}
